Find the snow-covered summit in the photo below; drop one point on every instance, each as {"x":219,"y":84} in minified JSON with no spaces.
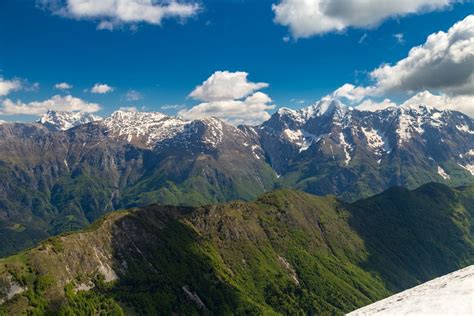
{"x":63,"y":120}
{"x":452,"y":294}
{"x":325,"y":106}
{"x":147,"y":127}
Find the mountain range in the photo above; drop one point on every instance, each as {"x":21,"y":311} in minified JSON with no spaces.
{"x":68,"y":169}
{"x":287,"y":252}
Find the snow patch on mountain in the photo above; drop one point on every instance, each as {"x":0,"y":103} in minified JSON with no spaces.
{"x":469,"y":167}
{"x":151,"y":127}
{"x":300,"y":138}
{"x":215,"y":132}
{"x":346,"y":147}
{"x":464,"y":128}
{"x":256,"y":151}
{"x":443,"y":173}
{"x":63,"y":120}
{"x":452,"y":294}
{"x":325,"y":106}
{"x":376,"y":140}
{"x":408,"y":125}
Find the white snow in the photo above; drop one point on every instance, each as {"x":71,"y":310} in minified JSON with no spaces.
{"x":63,"y":120}
{"x":408,"y":125}
{"x":151,"y":127}
{"x":376,"y":140}
{"x":469,"y":167}
{"x":464,"y":128}
{"x":215,"y":132}
{"x":300,"y":138}
{"x":254,"y":151}
{"x":452,"y":294}
{"x":443,"y":173}
{"x":346,"y":147}
{"x":324,"y":106}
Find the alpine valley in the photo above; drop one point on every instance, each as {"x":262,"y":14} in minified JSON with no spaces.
{"x":70,"y":168}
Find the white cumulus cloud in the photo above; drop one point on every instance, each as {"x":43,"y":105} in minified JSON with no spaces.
{"x":225,"y":85}
{"x":306,"y":18}
{"x":443,"y":63}
{"x":231,"y":97}
{"x":371,"y":105}
{"x":250,"y":111}
{"x":438,"y":73}
{"x":111,"y":13}
{"x":63,"y":86}
{"x":38,"y":108}
{"x":7,"y":86}
{"x":101,"y":88}
{"x":463,"y":103}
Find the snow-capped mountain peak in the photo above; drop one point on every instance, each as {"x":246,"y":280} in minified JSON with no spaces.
{"x":325,"y":106}
{"x":63,"y":120}
{"x":144,"y":127}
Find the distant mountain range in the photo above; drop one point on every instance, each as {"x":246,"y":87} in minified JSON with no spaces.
{"x":68,"y":169}
{"x":286,"y":253}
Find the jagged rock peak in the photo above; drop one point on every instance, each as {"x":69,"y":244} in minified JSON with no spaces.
{"x":64,"y":120}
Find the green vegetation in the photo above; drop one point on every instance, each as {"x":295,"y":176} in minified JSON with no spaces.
{"x":287,"y":252}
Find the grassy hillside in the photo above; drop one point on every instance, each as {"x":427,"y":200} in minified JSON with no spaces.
{"x":285,"y":253}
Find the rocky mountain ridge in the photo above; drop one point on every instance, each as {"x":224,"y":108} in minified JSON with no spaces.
{"x":58,"y":179}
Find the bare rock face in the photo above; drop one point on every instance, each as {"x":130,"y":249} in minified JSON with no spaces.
{"x":70,"y":168}
{"x":329,"y":148}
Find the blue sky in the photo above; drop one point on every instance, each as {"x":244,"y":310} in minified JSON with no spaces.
{"x":164,"y":63}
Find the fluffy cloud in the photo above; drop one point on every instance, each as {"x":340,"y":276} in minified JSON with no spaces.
{"x":225,"y":85}
{"x":63,"y":86}
{"x":230,"y":97}
{"x":443,"y":63}
{"x":311,"y":17}
{"x":111,"y":13}
{"x":371,"y":105}
{"x":250,"y":111}
{"x":351,"y":92}
{"x":38,"y":108}
{"x":133,"y":95}
{"x":101,"y":88}
{"x":7,"y":86}
{"x":463,"y":103}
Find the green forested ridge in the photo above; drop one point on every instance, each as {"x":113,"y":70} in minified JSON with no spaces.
{"x":287,"y":252}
